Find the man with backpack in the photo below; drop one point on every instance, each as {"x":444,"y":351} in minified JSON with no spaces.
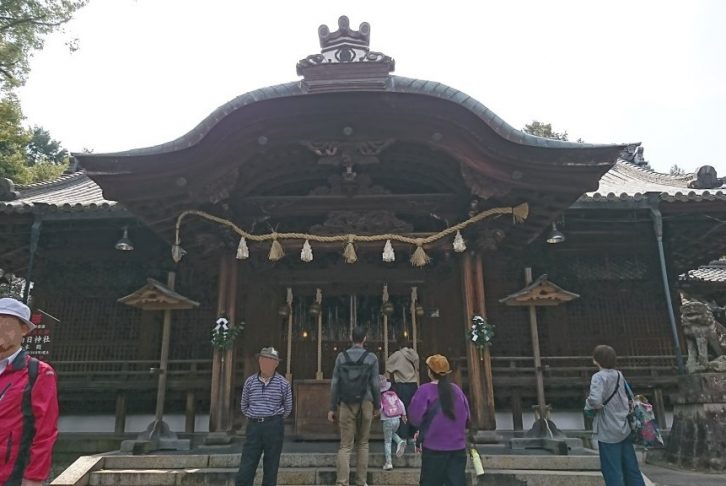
{"x":354,"y":399}
{"x":28,"y":403}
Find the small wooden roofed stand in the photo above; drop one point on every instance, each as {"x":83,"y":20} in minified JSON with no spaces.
{"x":155,"y":296}
{"x":544,"y":433}
{"x":350,"y":138}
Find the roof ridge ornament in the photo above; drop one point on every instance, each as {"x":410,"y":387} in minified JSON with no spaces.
{"x":345,"y":62}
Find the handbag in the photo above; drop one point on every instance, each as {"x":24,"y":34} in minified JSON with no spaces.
{"x":643,"y":426}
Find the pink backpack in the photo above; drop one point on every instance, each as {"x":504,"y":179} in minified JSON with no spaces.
{"x":391,"y":404}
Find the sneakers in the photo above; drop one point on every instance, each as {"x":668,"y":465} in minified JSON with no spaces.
{"x":401,"y":448}
{"x":387,"y":466}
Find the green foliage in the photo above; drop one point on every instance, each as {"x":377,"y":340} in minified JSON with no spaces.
{"x":23,"y":26}
{"x":42,"y":148}
{"x":481,"y":332}
{"x":10,"y":285}
{"x":27,"y":155}
{"x":223,"y":336}
{"x":539,"y":129}
{"x":13,"y":140}
{"x":676,"y":170}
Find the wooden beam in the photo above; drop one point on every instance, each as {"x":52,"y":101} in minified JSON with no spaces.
{"x":441,"y":204}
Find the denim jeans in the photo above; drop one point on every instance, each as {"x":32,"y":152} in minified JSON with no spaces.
{"x":390,"y":426}
{"x":619,"y":465}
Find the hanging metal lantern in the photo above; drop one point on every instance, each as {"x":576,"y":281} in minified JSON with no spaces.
{"x":315,"y":309}
{"x":387,"y":308}
{"x":419,"y":310}
{"x":283,"y":310}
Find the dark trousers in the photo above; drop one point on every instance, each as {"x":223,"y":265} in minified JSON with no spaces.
{"x":405,"y":392}
{"x":262,"y":437}
{"x":443,"y":468}
{"x":619,"y":465}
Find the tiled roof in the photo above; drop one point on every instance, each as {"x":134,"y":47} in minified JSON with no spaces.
{"x":627,"y":182}
{"x":714,"y":272}
{"x":70,"y":193}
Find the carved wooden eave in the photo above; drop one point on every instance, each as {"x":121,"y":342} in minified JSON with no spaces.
{"x":156,"y":296}
{"x":541,"y":292}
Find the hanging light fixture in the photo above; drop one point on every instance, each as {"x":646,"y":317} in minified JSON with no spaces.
{"x":555,"y":236}
{"x":124,"y":244}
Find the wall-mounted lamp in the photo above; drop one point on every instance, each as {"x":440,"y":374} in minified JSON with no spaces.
{"x":555,"y":236}
{"x":124,"y":244}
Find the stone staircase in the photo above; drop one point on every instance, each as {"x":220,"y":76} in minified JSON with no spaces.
{"x":297,"y":469}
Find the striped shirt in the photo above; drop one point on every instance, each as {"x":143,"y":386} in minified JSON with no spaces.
{"x":266,"y":400}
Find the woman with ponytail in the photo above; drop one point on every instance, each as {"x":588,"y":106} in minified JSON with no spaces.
{"x":441,"y":412}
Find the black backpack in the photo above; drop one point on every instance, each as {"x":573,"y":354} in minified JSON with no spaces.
{"x":354,"y":378}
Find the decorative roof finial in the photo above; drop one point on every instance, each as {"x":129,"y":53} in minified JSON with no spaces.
{"x":345,"y":61}
{"x":347,"y":45}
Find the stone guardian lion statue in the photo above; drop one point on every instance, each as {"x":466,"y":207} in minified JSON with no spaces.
{"x":705,"y":337}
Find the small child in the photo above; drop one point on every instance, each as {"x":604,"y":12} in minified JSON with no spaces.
{"x":392,"y":413}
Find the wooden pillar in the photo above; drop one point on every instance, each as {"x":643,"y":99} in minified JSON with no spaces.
{"x":488,"y":421}
{"x":319,"y":350}
{"x":539,"y":375}
{"x":120,"y":425}
{"x":414,"y":320}
{"x":228,"y":384}
{"x":476,"y":389}
{"x":164,"y":360}
{"x":288,"y":368}
{"x":214,"y":400}
{"x":517,"y":421}
{"x":190,"y":412}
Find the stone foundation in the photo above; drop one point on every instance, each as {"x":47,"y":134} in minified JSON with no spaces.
{"x":698,"y":436}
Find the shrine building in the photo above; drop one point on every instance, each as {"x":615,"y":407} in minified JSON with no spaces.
{"x":300,"y":209}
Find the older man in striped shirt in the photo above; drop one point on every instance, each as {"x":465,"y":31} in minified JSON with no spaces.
{"x":266,"y":401}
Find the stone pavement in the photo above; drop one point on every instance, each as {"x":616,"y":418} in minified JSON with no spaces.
{"x":663,"y":476}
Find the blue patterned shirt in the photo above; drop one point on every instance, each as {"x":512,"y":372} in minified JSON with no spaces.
{"x":260,"y":399}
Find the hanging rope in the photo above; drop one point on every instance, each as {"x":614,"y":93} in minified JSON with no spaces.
{"x":519,"y":214}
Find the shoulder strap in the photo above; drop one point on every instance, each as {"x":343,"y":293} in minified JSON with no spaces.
{"x":362,"y":357}
{"x":347,"y":356}
{"x":617,"y":385}
{"x":427,"y":419}
{"x":28,"y":424}
{"x":628,"y":390}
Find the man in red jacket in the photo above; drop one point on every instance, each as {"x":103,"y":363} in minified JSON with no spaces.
{"x":28,"y":403}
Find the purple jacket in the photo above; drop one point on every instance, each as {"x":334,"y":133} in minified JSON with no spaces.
{"x":444,"y":434}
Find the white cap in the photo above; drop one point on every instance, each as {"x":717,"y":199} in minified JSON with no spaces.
{"x":15,"y":308}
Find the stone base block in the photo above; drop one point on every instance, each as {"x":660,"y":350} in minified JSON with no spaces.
{"x":698,"y":437}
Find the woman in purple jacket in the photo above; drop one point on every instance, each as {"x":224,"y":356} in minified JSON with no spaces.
{"x":441,"y":412}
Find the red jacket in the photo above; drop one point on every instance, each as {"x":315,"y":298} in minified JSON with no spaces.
{"x":45,"y":415}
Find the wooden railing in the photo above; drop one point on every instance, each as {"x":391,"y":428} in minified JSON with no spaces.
{"x":513,"y":376}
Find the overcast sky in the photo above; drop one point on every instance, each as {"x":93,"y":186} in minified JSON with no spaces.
{"x":619,"y":71}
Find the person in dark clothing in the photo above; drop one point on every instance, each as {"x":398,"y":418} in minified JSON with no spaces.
{"x":266,"y":401}
{"x":403,"y":366}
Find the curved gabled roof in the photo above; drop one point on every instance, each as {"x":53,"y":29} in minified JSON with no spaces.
{"x":397,"y":84}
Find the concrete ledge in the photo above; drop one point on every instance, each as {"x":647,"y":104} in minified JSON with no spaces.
{"x":176,"y":461}
{"x":79,"y":473}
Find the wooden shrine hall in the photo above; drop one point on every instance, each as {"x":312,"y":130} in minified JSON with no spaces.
{"x":306,"y":208}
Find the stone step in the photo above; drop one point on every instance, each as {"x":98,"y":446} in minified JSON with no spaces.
{"x":298,"y":460}
{"x":319,"y":476}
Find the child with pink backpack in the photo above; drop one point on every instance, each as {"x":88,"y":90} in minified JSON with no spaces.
{"x":393,"y":412}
